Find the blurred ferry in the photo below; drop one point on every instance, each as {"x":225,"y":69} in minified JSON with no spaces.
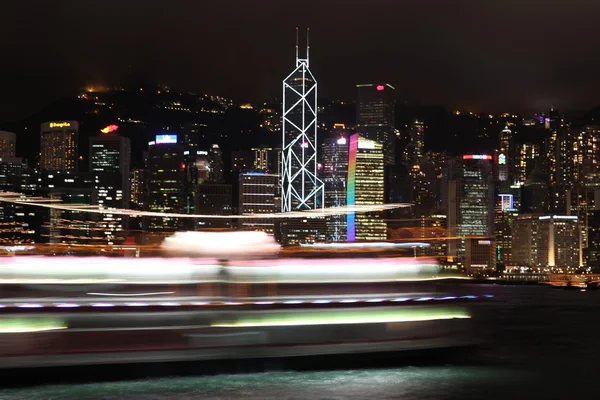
{"x":220,"y":296}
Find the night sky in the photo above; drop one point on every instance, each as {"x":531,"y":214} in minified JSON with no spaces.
{"x":485,"y":55}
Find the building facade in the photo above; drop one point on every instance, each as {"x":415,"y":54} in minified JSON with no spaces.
{"x":58,"y":148}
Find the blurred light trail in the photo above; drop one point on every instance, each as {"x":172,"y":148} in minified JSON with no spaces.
{"x":363,"y":245}
{"x":129,"y":294}
{"x":24,"y":325}
{"x":19,"y":198}
{"x":344,"y":317}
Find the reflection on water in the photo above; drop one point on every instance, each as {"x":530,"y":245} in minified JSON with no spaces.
{"x":539,"y":343}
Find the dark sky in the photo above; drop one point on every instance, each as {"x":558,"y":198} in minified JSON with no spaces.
{"x":480,"y":54}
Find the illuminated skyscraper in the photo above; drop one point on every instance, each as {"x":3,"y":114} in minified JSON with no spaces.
{"x":166,"y":181}
{"x":217,"y":168}
{"x":526,"y":155}
{"x":110,"y":158}
{"x":506,"y":156}
{"x":267,"y":159}
{"x":59,"y":146}
{"x":334,"y":156}
{"x":257,"y":191}
{"x":586,"y":153}
{"x":470,"y":202}
{"x":375,"y":116}
{"x":8,"y":142}
{"x":300,"y":187}
{"x":365,"y":187}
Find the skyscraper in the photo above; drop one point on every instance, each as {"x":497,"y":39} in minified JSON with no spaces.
{"x":506,"y":156}
{"x":267,"y":159}
{"x":166,"y":181}
{"x":334,"y":156}
{"x":470,"y":193}
{"x":375,"y":116}
{"x":257,"y":191}
{"x":365,"y":187}
{"x":217,"y":168}
{"x":8,"y":142}
{"x":110,"y":158}
{"x":301,"y":189}
{"x":58,"y":147}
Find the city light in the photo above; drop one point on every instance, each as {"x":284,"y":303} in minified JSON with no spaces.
{"x":476,"y":157}
{"x":109,"y":129}
{"x":166,"y":139}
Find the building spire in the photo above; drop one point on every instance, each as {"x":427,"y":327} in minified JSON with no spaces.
{"x":296,"y":43}
{"x":307,"y":43}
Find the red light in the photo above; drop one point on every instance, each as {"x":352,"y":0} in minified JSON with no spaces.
{"x":182,"y":166}
{"x":380,"y":87}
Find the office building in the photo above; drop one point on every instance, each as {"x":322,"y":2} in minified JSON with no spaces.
{"x":214,"y":199}
{"x":138,"y":189}
{"x":546,"y":241}
{"x":506,"y":156}
{"x":535,"y":192}
{"x":365,"y":187}
{"x":586,"y":153}
{"x":267,"y":159}
{"x":301,"y":189}
{"x":526,"y":160}
{"x":470,"y":204}
{"x":110,"y":158}
{"x":592,"y":253}
{"x":58,"y":149}
{"x":166,"y":182}
{"x":334,"y":174}
{"x":241,"y":161}
{"x":8,"y":144}
{"x":375,"y":116}
{"x":216,"y":166}
{"x":505,"y":213}
{"x":257,"y":192}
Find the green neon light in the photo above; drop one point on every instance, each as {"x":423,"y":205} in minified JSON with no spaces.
{"x":344,"y":317}
{"x":24,"y":325}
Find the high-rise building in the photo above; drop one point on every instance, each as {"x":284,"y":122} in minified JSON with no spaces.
{"x":534,"y":195}
{"x":267,"y":159}
{"x":470,"y":204}
{"x":586,"y":153}
{"x":257,"y":192}
{"x":214,"y":199}
{"x":375,"y":116}
{"x":137,"y":189}
{"x":58,"y":149}
{"x":592,"y":258}
{"x":546,"y":241}
{"x":241,"y":161}
{"x":526,"y":156}
{"x":505,"y":213}
{"x":166,"y":182}
{"x":217,"y":168}
{"x":110,"y":158}
{"x":334,"y":174}
{"x":506,"y":156}
{"x":8,"y":144}
{"x":300,"y":186}
{"x":366,"y":183}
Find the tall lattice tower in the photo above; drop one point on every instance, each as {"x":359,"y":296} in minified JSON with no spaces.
{"x":300,"y":187}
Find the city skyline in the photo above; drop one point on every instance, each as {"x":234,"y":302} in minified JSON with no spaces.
{"x":455,"y":57}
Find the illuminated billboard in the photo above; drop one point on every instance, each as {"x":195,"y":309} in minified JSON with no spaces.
{"x":502,"y":159}
{"x":166,"y":139}
{"x":476,"y":157}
